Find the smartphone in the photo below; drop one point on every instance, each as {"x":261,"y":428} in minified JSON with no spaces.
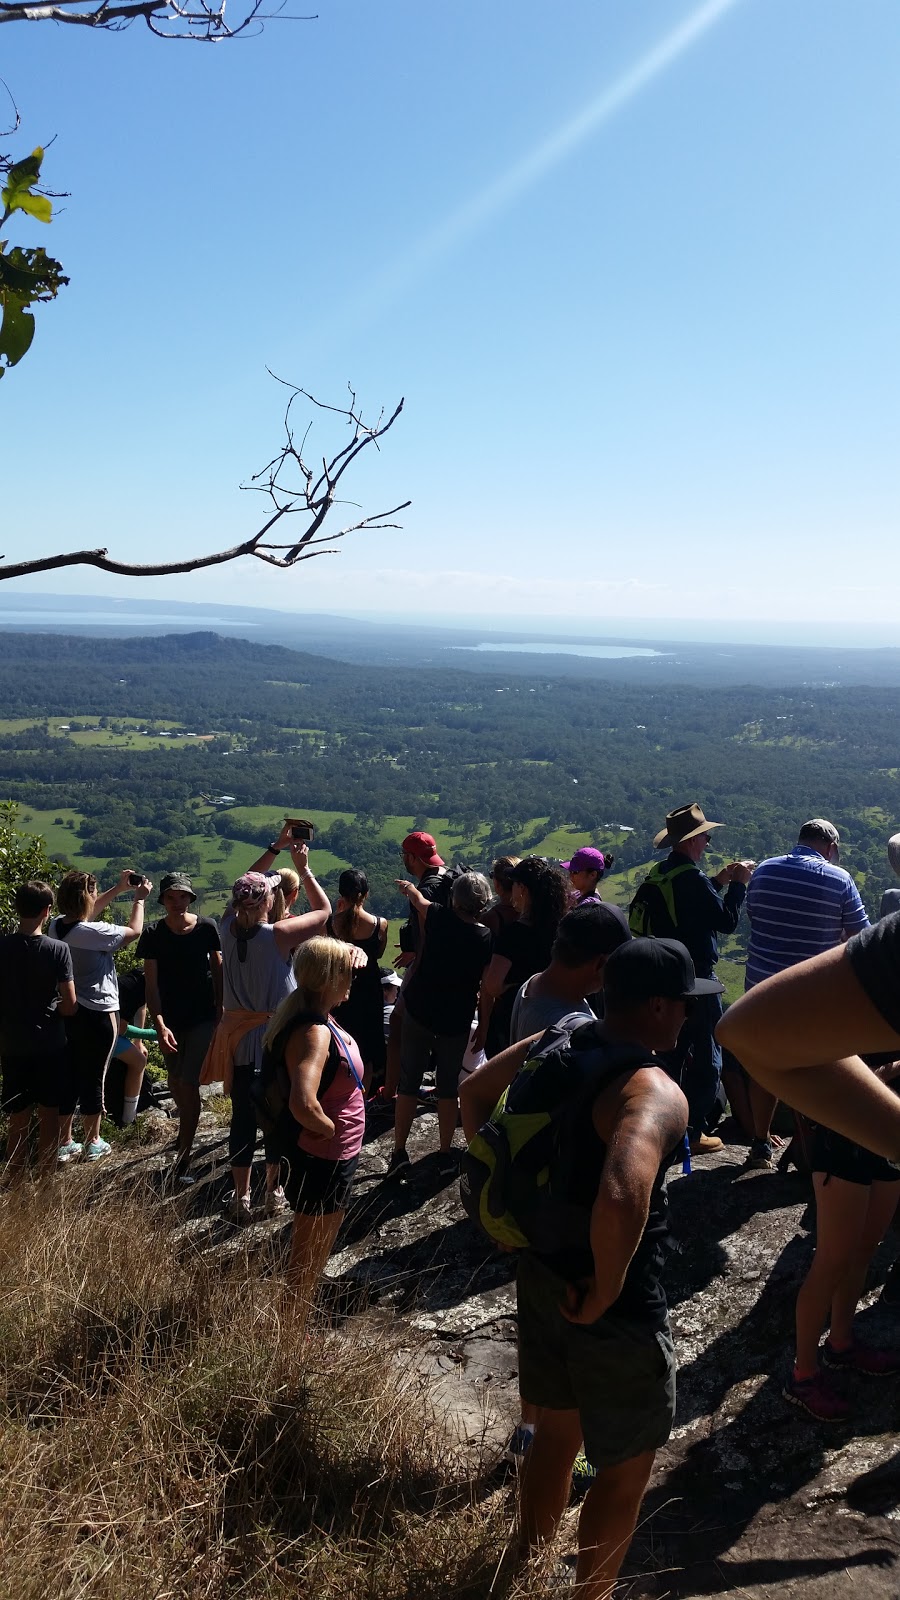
{"x":135,"y":879}
{"x":302,"y":830}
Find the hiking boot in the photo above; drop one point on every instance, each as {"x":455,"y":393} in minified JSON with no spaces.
{"x":276,"y":1202}
{"x":706,"y":1144}
{"x":864,"y":1358}
{"x":817,"y":1398}
{"x":520,"y":1441}
{"x":890,"y":1292}
{"x":69,"y":1152}
{"x":761,"y":1157}
{"x":398,"y":1165}
{"x":237,"y":1209}
{"x":95,"y":1150}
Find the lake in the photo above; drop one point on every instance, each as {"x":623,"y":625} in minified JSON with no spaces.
{"x":604,"y":651}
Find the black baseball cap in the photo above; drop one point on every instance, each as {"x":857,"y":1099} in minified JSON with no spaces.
{"x":643,"y":969}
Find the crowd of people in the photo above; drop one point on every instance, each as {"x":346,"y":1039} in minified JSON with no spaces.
{"x":497,"y":975}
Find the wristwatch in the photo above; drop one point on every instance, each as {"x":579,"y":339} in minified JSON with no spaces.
{"x":274,"y":849}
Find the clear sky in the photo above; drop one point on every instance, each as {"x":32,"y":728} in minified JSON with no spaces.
{"x":633,"y":265}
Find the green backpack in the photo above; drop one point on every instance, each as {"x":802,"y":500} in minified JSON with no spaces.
{"x":652,"y":911}
{"x":516,"y":1174}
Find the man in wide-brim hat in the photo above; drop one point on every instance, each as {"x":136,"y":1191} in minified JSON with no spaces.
{"x":678,"y":901}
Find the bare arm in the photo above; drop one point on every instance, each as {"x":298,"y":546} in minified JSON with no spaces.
{"x":68,"y":1003}
{"x":266,"y":862}
{"x":482,"y":1089}
{"x":797,"y":1033}
{"x":382,"y":936}
{"x":305,"y":1058}
{"x":109,"y":895}
{"x":416,"y":899}
{"x":492,"y":986}
{"x":135,"y":924}
{"x":640,"y":1121}
{"x":164,"y":1033}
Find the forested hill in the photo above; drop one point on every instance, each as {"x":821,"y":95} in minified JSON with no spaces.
{"x":506,"y":760}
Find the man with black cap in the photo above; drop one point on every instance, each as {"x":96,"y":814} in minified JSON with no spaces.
{"x":595,"y":1352}
{"x":677,"y":900}
{"x":182,"y":958}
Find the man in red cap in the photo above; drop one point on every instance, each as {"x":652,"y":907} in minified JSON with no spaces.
{"x":423,"y":864}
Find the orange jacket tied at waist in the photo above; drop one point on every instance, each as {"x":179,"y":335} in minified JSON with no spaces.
{"x":218,"y":1064}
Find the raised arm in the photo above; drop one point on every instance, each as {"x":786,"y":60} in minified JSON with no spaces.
{"x":640,"y":1121}
{"x":109,"y":895}
{"x":416,"y":898}
{"x":266,"y":862}
{"x":797,"y":1034}
{"x":135,"y":924}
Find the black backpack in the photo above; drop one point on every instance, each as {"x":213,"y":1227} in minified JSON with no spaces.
{"x":443,"y":886}
{"x":516,"y":1179}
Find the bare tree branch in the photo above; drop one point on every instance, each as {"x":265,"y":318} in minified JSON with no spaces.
{"x":202,"y":20}
{"x":308,"y":499}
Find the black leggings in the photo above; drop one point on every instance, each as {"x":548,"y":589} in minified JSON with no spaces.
{"x":91,"y":1038}
{"x":242,"y":1133}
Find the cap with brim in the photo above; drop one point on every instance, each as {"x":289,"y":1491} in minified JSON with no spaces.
{"x":391,"y":981}
{"x":423,"y":847}
{"x":175,"y":880}
{"x":823,"y":828}
{"x":649,"y":969}
{"x":684,"y":823}
{"x":586,"y":859}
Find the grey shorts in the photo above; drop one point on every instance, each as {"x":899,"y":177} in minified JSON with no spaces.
{"x":417,"y":1044}
{"x":193,"y":1044}
{"x":618,"y":1374}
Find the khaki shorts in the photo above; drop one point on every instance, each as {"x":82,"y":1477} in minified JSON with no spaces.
{"x":618,"y":1374}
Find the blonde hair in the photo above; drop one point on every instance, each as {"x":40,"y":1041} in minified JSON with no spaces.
{"x":287,"y":891}
{"x":321,"y":965}
{"x":74,"y":897}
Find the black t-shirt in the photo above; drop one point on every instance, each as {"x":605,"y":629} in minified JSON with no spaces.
{"x":429,"y":887}
{"x":186,"y":992}
{"x":442,"y":991}
{"x":132,"y":994}
{"x":31,"y":967}
{"x":527,"y":948}
{"x":875,"y":959}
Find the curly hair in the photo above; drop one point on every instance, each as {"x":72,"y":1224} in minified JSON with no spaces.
{"x":549,"y":891}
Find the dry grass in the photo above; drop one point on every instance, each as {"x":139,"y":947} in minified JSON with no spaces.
{"x":167,"y":1429}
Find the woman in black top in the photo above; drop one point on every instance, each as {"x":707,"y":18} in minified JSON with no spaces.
{"x":540,"y":895}
{"x":362,"y":1015}
{"x":440,"y":1001}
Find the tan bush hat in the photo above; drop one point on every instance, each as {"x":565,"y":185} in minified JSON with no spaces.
{"x":684,"y":823}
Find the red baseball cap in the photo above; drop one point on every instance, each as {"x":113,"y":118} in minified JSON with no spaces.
{"x":423,"y":847}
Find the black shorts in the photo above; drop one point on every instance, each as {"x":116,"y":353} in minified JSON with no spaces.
{"x":317,"y":1187}
{"x":32,"y":1081}
{"x":838,"y":1157}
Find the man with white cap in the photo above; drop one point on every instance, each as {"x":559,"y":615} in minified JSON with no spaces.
{"x":678,"y":901}
{"x":799,"y":905}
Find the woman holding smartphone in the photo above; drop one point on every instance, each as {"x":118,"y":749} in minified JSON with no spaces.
{"x":92,"y":1032}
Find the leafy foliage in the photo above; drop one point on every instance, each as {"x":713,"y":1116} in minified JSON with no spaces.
{"x":28,"y":275}
{"x":22,"y":857}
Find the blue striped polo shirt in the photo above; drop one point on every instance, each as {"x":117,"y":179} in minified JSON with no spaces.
{"x":798,"y":905}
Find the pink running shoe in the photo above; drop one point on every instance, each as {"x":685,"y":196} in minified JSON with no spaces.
{"x":817,"y":1397}
{"x":865,"y":1358}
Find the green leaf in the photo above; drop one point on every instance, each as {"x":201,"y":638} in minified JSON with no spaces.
{"x":16,"y":330}
{"x":37,"y":206}
{"x":20,"y":180}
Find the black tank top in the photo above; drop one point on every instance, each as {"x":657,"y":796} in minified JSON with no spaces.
{"x":643,"y":1298}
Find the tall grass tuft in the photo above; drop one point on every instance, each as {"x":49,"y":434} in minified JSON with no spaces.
{"x":170,"y":1431}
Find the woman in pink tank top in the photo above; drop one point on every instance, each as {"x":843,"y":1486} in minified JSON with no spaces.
{"x":326,"y":1100}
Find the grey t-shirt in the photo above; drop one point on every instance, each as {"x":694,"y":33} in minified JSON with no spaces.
{"x":534,"y":1015}
{"x":93,"y":945}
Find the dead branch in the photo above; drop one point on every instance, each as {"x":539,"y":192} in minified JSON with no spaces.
{"x":201,"y":20}
{"x":292,"y":490}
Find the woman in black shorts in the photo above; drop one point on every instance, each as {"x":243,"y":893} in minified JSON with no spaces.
{"x":796,"y":1033}
{"x":326,"y":1099}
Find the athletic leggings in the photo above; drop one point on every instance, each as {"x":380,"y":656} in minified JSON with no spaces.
{"x":91,"y":1038}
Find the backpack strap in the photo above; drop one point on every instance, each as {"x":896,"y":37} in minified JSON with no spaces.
{"x":335,"y":1034}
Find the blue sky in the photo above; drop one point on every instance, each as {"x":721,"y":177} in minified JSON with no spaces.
{"x":634,"y":267}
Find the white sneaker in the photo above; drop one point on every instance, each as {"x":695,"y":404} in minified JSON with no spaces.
{"x":276,"y":1202}
{"x":237,"y":1209}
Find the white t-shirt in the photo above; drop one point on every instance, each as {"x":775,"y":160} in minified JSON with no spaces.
{"x":93,"y":945}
